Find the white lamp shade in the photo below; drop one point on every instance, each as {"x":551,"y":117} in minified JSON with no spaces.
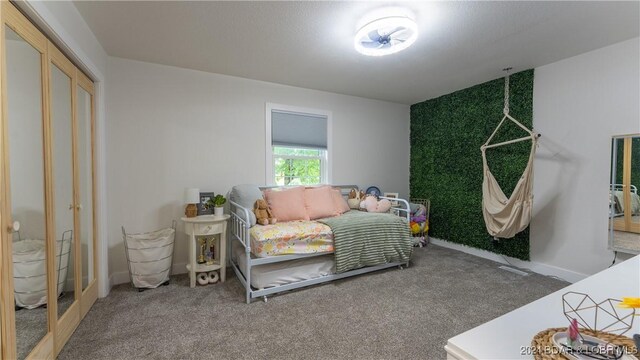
{"x":191,"y":196}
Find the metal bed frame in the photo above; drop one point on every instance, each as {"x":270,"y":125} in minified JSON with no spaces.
{"x":618,"y":187}
{"x":240,"y":231}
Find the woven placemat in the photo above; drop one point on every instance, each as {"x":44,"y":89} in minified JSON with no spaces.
{"x":542,"y":347}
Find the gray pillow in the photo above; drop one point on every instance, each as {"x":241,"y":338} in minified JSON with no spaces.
{"x":246,"y":195}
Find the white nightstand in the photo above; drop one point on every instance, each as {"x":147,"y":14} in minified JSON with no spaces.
{"x":207,"y":226}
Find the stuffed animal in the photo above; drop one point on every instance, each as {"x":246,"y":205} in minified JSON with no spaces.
{"x":354,"y":199}
{"x":373,"y":205}
{"x":420,"y":219}
{"x":415,"y":227}
{"x":263,"y":214}
{"x":418,"y":224}
{"x":353,"y":193}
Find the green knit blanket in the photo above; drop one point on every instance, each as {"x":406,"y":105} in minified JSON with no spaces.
{"x":366,"y":239}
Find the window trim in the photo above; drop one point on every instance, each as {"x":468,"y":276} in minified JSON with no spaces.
{"x":269,"y":159}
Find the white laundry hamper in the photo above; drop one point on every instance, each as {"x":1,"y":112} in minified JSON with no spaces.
{"x":150,"y":257}
{"x":29,"y":269}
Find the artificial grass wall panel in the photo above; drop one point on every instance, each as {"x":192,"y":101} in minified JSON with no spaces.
{"x":635,"y":164}
{"x":446,"y":163}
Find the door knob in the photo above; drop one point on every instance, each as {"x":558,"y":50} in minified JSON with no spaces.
{"x":79,"y":206}
{"x":70,"y":206}
{"x":14,"y":227}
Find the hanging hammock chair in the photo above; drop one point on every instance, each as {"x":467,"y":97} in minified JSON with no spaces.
{"x":505,"y":217}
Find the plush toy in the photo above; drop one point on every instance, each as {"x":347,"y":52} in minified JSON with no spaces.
{"x":415,"y":227}
{"x":354,"y":199}
{"x":418,"y":224}
{"x":353,"y":193}
{"x":419,"y":219}
{"x":373,"y":205}
{"x":263,"y":214}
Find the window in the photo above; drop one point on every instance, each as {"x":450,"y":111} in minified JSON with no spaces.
{"x":297,"y":146}
{"x":298,"y":166}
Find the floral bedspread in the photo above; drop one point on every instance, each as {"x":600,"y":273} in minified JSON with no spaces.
{"x":291,"y":237}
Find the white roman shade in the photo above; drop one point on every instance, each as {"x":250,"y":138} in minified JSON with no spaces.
{"x":298,"y":130}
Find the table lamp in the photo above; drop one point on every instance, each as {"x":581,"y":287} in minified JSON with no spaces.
{"x":191,"y":198}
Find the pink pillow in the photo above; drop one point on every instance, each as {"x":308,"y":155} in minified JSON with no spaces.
{"x":287,"y":204}
{"x":339,"y":202}
{"x":319,"y":202}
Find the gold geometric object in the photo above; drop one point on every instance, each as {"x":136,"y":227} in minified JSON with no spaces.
{"x":603,"y":316}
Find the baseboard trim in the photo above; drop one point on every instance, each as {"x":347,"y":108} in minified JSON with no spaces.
{"x":536,"y":267}
{"x":122,"y":277}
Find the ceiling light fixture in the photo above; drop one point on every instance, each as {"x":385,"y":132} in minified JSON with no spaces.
{"x":386,"y":35}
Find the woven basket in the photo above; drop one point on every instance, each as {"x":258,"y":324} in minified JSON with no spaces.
{"x":542,"y":345}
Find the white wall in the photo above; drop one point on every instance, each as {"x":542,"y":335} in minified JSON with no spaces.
{"x":69,"y":31}
{"x":171,"y":128}
{"x":578,"y":104}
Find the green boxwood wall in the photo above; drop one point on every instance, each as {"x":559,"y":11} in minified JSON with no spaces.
{"x":635,"y":164}
{"x":446,"y":163}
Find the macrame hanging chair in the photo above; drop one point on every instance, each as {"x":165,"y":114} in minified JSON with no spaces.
{"x":506,"y":216}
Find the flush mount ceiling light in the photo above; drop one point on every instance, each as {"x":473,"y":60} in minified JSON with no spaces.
{"x":386,"y":35}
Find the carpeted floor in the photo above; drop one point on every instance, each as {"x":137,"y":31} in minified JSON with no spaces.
{"x":389,"y":314}
{"x":31,"y":324}
{"x":626,"y":240}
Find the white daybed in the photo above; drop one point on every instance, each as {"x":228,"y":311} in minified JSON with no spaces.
{"x":262,"y":274}
{"x":617,"y":207}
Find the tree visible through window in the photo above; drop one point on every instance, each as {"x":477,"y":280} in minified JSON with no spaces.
{"x":298,"y":166}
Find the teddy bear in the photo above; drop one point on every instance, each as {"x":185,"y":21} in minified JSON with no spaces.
{"x":263,"y":214}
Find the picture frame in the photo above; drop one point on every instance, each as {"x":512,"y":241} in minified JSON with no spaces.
{"x":204,"y":197}
{"x":392,"y":195}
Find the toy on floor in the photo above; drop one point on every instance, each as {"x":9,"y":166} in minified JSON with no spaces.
{"x":263,"y":214}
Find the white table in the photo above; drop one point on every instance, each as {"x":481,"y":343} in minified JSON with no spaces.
{"x":207,"y":226}
{"x":509,"y":335}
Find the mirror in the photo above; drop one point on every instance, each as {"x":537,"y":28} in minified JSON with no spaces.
{"x":62,"y":153}
{"x":635,"y":182}
{"x":26,"y":177}
{"x":624,"y":202}
{"x":85,"y":172}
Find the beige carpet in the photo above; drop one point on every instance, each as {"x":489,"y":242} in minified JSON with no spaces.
{"x":391,"y":314}
{"x":31,"y":324}
{"x":626,"y":240}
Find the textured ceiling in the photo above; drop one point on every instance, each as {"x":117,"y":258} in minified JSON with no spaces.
{"x":310,"y":44}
